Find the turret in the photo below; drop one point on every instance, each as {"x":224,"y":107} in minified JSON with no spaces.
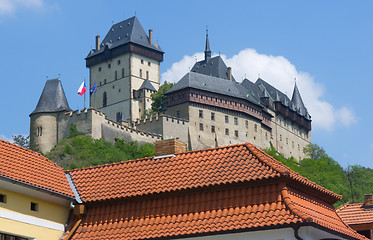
{"x":207,"y":47}
{"x":44,"y":119}
{"x":298,"y":103}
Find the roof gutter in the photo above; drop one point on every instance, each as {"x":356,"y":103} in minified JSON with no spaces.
{"x":45,"y":190}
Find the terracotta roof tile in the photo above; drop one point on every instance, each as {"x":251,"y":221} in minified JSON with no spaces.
{"x":231,"y":164}
{"x":355,"y":213}
{"x":23,"y":165}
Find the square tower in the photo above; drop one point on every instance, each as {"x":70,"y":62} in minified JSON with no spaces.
{"x":125,"y":61}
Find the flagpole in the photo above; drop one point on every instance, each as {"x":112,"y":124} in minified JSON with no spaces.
{"x":84,"y":94}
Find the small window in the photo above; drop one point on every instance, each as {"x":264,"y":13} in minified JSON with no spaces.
{"x":104,"y":100}
{"x":178,"y":114}
{"x":247,"y":124}
{"x":40,"y":131}
{"x":109,"y":65}
{"x":119,"y":116}
{"x":2,"y":198}
{"x":149,"y":64}
{"x":212,"y":128}
{"x":116,"y":75}
{"x":227,"y":131}
{"x":287,"y":142}
{"x":236,"y":133}
{"x":255,"y":128}
{"x":104,"y":81}
{"x":147,"y":74}
{"x":292,"y":144}
{"x":226,"y":119}
{"x":213,"y":116}
{"x":298,"y":147}
{"x":122,"y":72}
{"x":141,"y":73}
{"x":201,"y":126}
{"x":235,"y":121}
{"x":34,"y":207}
{"x":280,"y":137}
{"x":200,"y":113}
{"x":142,"y":61}
{"x":99,"y":69}
{"x":266,"y":136}
{"x":118,"y":62}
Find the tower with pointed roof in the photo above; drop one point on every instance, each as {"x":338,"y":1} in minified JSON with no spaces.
{"x":124,"y":66}
{"x":44,"y":119}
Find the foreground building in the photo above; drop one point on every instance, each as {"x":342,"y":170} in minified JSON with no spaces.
{"x":232,"y":192}
{"x":35,"y":195}
{"x":359,"y":216}
{"x":206,"y":108}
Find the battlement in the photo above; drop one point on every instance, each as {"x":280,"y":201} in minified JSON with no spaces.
{"x":147,"y":119}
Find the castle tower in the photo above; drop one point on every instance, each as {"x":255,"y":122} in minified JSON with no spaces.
{"x":44,"y":119}
{"x":120,"y":65}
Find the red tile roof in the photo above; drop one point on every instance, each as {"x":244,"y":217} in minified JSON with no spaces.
{"x":355,"y":214}
{"x":29,"y":167}
{"x":233,"y":188}
{"x":194,"y":169}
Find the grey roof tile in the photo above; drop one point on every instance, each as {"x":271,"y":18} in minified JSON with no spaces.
{"x":212,"y":67}
{"x":53,"y":98}
{"x":215,"y":85}
{"x":297,"y":100}
{"x":129,"y":30}
{"x":147,"y":85}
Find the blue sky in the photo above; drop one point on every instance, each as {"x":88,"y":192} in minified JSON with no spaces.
{"x":326,"y":45}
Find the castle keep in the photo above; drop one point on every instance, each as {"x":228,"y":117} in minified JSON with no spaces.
{"x":206,"y":108}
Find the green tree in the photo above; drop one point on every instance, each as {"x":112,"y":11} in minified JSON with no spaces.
{"x":21,"y":140}
{"x":159,"y":103}
{"x":314,"y":151}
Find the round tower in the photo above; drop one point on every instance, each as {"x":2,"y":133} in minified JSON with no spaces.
{"x":44,"y":119}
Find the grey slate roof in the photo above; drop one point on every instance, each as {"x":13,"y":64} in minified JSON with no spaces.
{"x":147,"y":85}
{"x":297,"y":100}
{"x":53,"y":98}
{"x":213,"y":67}
{"x":214,"y":85}
{"x":129,"y":30}
{"x":261,"y":87}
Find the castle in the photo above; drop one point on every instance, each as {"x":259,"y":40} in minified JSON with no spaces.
{"x":205,"y":108}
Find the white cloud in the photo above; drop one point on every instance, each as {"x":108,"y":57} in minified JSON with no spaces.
{"x":280,"y":73}
{"x":9,"y":7}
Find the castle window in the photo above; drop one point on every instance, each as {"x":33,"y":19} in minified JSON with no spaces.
{"x":100,"y":83}
{"x":118,"y":62}
{"x":212,"y":128}
{"x":226,"y":119}
{"x":142,"y":61}
{"x":119,"y":116}
{"x":99,"y":69}
{"x":40,"y":131}
{"x":147,"y":74}
{"x":255,"y":128}
{"x":247,"y":124}
{"x":109,"y":65}
{"x":201,"y":126}
{"x":292,"y":144}
{"x":298,"y":147}
{"x":213,"y":116}
{"x":178,"y":114}
{"x":235,"y":121}
{"x":236,"y":133}
{"x":116,"y":75}
{"x":227,"y":131}
{"x":104,"y":81}
{"x":104,"y":100}
{"x":122,"y":72}
{"x":266,"y":136}
{"x":141,"y":73}
{"x":149,"y":64}
{"x":280,"y":137}
{"x":286,"y":140}
{"x":200,"y":114}
{"x":2,"y":198}
{"x":34,"y":207}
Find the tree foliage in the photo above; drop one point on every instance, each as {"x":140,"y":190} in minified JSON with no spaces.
{"x":21,"y":140}
{"x":83,"y":151}
{"x":159,"y":103}
{"x":352,"y":183}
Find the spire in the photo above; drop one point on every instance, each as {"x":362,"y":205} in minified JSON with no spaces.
{"x":53,"y":98}
{"x":297,"y":100}
{"x":207,"y":48}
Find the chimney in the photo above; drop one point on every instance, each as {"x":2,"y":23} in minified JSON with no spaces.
{"x":229,"y":73}
{"x":169,"y":147}
{"x":97,"y":42}
{"x":151,"y":37}
{"x":368,"y":200}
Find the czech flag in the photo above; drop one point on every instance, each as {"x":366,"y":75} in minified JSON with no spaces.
{"x":82,"y":89}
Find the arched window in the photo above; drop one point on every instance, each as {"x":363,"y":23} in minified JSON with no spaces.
{"x":104,"y":100}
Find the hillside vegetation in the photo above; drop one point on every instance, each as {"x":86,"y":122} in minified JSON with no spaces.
{"x":79,"y":151}
{"x":352,"y":183}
